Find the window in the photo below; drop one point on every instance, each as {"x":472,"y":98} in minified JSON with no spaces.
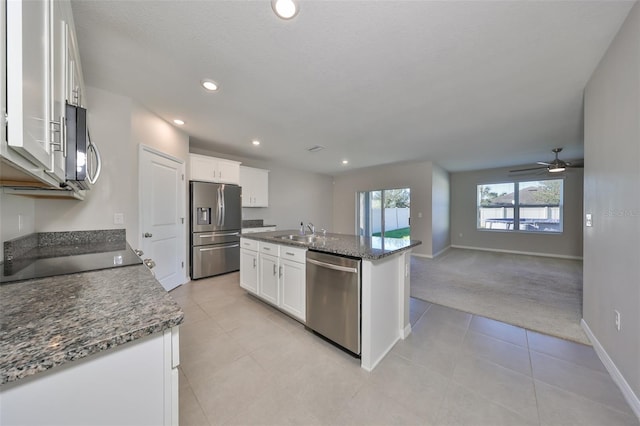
{"x":384,"y":213}
{"x":533,"y":206}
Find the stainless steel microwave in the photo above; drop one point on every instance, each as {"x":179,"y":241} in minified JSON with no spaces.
{"x":83,"y":163}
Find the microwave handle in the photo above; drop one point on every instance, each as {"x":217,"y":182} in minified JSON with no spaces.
{"x":93,"y":179}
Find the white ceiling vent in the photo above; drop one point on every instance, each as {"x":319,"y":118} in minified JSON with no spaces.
{"x":315,"y":148}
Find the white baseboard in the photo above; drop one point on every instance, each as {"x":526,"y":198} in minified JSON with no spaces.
{"x":406,"y":332}
{"x":426,"y":256}
{"x":381,"y":357}
{"x":431,"y":256}
{"x":528,"y":253}
{"x":617,"y":377}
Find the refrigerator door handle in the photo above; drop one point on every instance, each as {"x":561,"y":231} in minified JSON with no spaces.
{"x":222,"y":203}
{"x":220,"y":247}
{"x":220,"y":234}
{"x":219,"y":207}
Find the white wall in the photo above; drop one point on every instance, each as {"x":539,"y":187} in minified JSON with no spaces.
{"x":612,"y":174}
{"x":294,"y":195}
{"x":464,"y":230}
{"x":17,"y":216}
{"x":416,"y":176}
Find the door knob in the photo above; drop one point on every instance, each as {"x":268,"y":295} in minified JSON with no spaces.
{"x":148,"y":235}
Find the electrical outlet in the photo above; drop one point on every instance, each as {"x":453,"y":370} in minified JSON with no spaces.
{"x":588,"y":220}
{"x":617,"y":319}
{"x":118,"y":218}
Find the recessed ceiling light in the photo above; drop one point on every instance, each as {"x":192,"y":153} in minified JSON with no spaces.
{"x":255,"y":142}
{"x":345,"y":162}
{"x":285,"y":9}
{"x":178,"y":122}
{"x":210,"y":85}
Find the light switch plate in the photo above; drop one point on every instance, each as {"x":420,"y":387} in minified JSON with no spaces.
{"x":588,"y":220}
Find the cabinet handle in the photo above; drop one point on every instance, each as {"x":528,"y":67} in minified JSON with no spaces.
{"x":59,"y":127}
{"x":274,"y":269}
{"x":254,"y":263}
{"x":280,"y":272}
{"x":266,"y":248}
{"x":289,"y":253}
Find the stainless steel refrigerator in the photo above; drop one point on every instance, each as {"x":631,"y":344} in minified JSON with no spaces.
{"x":216,"y":219}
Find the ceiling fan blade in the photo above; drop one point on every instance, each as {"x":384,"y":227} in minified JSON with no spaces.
{"x":576,"y":166}
{"x":543,"y":163}
{"x":527,"y":170}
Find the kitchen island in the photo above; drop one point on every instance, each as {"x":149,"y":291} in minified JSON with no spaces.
{"x":91,"y":347}
{"x":385,"y":280}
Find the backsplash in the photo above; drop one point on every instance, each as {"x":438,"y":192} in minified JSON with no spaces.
{"x":19,"y":246}
{"x":252,"y":223}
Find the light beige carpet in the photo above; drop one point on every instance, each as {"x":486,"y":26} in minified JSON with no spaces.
{"x":538,"y":293}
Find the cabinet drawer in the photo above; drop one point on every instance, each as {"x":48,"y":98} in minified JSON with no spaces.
{"x":292,"y":253}
{"x":248,"y":244}
{"x":268,"y":248}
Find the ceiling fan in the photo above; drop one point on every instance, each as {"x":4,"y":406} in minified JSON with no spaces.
{"x":555,"y":166}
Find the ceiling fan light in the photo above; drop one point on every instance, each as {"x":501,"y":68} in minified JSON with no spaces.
{"x":556,"y":168}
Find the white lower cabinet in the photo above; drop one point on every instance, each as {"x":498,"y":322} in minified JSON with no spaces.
{"x":292,"y":283}
{"x":280,"y":278}
{"x":132,"y":384}
{"x":249,"y":265}
{"x":249,"y":270}
{"x":269,"y":278}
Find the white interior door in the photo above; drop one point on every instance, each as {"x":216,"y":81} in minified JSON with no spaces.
{"x":162,"y":216}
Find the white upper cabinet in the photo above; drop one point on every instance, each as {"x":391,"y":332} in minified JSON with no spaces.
{"x":28,"y":80}
{"x":60,"y":35}
{"x":43,"y":73}
{"x":211,"y":169}
{"x":255,"y":187}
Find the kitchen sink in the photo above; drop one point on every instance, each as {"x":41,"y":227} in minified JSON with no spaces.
{"x":299,"y":238}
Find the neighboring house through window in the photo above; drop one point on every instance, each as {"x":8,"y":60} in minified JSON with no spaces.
{"x":532,"y":206}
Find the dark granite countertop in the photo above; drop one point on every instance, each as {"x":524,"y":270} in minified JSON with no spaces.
{"x":254,"y":223}
{"x":372,"y":248}
{"x":48,"y":322}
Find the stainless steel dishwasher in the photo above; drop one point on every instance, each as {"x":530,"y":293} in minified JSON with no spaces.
{"x":333,"y":298}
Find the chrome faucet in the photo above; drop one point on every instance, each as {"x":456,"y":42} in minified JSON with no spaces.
{"x":312,"y":228}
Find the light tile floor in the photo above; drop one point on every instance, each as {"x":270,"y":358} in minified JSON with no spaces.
{"x":244,"y":363}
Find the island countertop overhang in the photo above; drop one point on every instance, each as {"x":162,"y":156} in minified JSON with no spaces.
{"x":368,"y":248}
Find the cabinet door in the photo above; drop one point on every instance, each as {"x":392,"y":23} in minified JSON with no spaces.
{"x":249,"y":270}
{"x":268,"y":282}
{"x":59,"y":36}
{"x":28,"y":85}
{"x":228,"y":172}
{"x":255,"y":187}
{"x":202,"y":168}
{"x":261,"y":188}
{"x":74,"y":83}
{"x":293,"y":288}
{"x":3,"y":80}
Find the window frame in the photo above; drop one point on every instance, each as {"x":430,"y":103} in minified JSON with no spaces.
{"x":516,"y":205}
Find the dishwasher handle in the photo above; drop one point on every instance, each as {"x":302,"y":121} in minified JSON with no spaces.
{"x":332,"y":266}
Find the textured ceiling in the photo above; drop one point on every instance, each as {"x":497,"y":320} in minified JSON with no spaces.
{"x":467,"y":85}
